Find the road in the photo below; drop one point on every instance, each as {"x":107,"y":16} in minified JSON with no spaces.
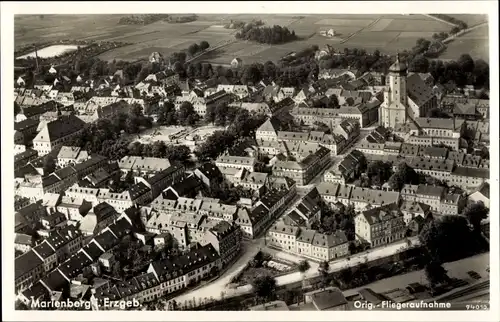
{"x":250,"y":249}
{"x":214,"y":289}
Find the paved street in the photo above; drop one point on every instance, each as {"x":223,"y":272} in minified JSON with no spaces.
{"x":216,"y":287}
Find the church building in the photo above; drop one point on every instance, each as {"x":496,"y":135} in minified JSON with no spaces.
{"x":406,"y":97}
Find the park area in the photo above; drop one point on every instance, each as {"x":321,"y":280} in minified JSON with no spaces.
{"x":263,"y":264}
{"x":176,"y":135}
{"x":388,"y":33}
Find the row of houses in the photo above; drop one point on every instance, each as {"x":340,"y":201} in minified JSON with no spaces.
{"x":364,"y":113}
{"x":271,"y":141}
{"x":438,"y":198}
{"x":31,"y":267}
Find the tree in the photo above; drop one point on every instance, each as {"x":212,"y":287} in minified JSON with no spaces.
{"x":143,"y":73}
{"x":435,"y":273}
{"x":193,"y":49}
{"x":403,"y":175}
{"x":204,"y":45}
{"x":179,"y":153}
{"x":448,"y":238}
{"x":324,"y":268}
{"x":49,"y":164}
{"x":210,"y":113}
{"x":419,"y":64}
{"x":475,"y":213}
{"x":454,"y":30}
{"x":220,"y":113}
{"x":186,"y":113}
{"x":264,"y":287}
{"x":304,"y":266}
{"x":466,"y":63}
{"x":379,"y":172}
{"x":158,"y":149}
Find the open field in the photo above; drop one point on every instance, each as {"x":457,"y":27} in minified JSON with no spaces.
{"x":474,"y":43}
{"x":388,"y":33}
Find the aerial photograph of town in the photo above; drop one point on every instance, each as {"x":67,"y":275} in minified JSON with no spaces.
{"x":251,"y":162}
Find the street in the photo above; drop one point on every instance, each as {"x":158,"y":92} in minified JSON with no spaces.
{"x":251,"y":248}
{"x":219,"y":286}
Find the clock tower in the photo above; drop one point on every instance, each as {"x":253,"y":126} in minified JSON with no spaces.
{"x":394,"y":108}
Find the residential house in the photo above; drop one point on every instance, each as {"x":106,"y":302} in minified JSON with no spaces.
{"x":56,"y":133}
{"x":69,"y":155}
{"x":226,"y":239}
{"x":380,"y":226}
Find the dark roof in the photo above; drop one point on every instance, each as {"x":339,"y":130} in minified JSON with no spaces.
{"x":328,"y":299}
{"x":121,"y":227}
{"x":65,"y":172}
{"x":369,"y":295}
{"x":163,"y":174}
{"x":106,"y":240}
{"x":485,"y":190}
{"x":138,"y":190}
{"x":223,"y":229}
{"x":74,"y":266}
{"x":44,"y":250}
{"x":185,"y":186}
{"x":25,"y":155}
{"x":28,"y":169}
{"x":103,"y":211}
{"x":472,"y":172}
{"x":26,"y":124}
{"x":93,"y":161}
{"x":55,"y":281}
{"x":210,"y":170}
{"x":26,"y":263}
{"x":37,"y":291}
{"x":383,"y":213}
{"x":189,"y":262}
{"x":40,"y":109}
{"x":93,"y":251}
{"x":64,"y":126}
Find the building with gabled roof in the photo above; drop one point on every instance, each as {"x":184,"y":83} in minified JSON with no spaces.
{"x":226,"y":238}
{"x":56,"y":133}
{"x":381,"y":225}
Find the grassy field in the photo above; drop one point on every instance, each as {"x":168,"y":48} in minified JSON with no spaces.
{"x":474,"y":43}
{"x":388,"y":33}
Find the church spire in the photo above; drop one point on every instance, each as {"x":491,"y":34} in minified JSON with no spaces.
{"x":398,"y":66}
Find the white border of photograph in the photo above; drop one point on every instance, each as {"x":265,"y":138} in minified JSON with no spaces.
{"x":9,"y":9}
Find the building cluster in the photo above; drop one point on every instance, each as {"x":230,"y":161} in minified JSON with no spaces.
{"x":71,"y":216}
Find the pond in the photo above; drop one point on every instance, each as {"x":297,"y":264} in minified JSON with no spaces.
{"x":51,"y":51}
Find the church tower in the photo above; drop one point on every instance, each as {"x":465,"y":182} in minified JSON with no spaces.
{"x":394,"y":108}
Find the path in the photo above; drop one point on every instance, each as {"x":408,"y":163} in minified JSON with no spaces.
{"x":463,"y":32}
{"x":218,"y":46}
{"x":440,"y":20}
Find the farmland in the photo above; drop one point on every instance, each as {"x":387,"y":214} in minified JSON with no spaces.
{"x":388,"y":33}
